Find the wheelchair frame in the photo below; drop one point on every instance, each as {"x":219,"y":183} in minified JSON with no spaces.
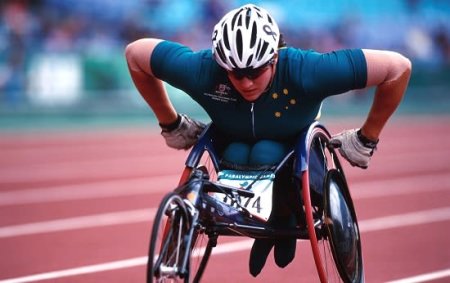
{"x":189,"y":214}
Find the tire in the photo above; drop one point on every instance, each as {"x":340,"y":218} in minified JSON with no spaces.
{"x":341,"y":228}
{"x":168,"y":244}
{"x":201,"y":246}
{"x":337,"y":251}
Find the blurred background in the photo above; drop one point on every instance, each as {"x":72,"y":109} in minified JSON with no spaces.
{"x":62,"y":61}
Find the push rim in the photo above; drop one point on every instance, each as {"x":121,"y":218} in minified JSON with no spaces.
{"x":325,"y":254}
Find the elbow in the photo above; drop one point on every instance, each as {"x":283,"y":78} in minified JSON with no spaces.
{"x":407,"y":65}
{"x":130,"y":53}
{"x":403,"y":65}
{"x":386,"y":66}
{"x":138,"y":54}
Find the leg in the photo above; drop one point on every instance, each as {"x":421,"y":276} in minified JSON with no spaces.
{"x":267,"y":152}
{"x":237,"y":153}
{"x":271,"y":152}
{"x":285,"y":198}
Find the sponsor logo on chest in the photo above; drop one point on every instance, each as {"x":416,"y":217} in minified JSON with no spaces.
{"x":222,"y":93}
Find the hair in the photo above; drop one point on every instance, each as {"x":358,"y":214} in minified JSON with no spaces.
{"x":281,"y":42}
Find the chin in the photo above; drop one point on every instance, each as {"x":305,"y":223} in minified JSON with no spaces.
{"x":250,"y":96}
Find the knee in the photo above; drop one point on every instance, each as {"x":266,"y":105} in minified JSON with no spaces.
{"x":237,"y":153}
{"x":267,"y":152}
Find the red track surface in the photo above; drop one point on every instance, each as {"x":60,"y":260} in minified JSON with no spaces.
{"x":86,"y":199}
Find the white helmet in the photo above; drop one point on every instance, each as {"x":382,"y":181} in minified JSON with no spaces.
{"x":246,"y":37}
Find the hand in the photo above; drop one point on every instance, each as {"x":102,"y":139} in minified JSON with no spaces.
{"x":183,"y":133}
{"x":354,"y":147}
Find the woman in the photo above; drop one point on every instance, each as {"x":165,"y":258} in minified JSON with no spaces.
{"x":260,"y":94}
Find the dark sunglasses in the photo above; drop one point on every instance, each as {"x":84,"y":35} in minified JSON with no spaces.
{"x":251,"y":73}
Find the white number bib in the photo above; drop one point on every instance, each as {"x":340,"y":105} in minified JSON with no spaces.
{"x":261,"y":204}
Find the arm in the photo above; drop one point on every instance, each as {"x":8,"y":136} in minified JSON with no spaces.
{"x":390,"y":73}
{"x":179,"y":131}
{"x":138,"y":55}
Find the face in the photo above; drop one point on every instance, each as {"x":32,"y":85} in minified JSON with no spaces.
{"x":252,"y":85}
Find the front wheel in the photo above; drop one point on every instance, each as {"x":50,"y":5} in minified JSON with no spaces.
{"x":168,"y":244}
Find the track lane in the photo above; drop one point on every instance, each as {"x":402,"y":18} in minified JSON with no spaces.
{"x":303,"y":262}
{"x":401,"y":156}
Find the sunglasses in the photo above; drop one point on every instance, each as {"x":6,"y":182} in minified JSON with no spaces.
{"x":251,"y":73}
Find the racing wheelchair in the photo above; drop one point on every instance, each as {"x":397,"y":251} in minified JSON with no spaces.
{"x":215,"y":199}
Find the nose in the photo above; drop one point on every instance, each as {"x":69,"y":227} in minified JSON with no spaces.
{"x":245,"y":82}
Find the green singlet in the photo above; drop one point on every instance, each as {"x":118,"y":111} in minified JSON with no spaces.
{"x":303,"y":79}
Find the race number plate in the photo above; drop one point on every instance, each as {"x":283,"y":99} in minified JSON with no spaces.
{"x":261,"y":204}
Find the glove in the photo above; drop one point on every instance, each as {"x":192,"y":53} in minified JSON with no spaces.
{"x":354,"y":147}
{"x":183,"y":133}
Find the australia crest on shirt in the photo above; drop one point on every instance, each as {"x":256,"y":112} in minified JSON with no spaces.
{"x":222,"y":93}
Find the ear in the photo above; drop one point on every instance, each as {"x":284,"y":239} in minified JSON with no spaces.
{"x":275,"y":58}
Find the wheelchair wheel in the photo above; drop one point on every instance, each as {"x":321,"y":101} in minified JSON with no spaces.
{"x":168,"y":245}
{"x":330,"y":215}
{"x":201,"y":245}
{"x":341,"y":228}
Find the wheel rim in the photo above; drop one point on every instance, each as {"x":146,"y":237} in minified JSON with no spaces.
{"x":199,"y":239}
{"x":327,"y":251}
{"x":167,"y":242}
{"x":342,"y":229}
{"x":320,"y":245}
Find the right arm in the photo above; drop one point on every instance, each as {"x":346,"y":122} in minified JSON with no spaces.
{"x":138,"y":55}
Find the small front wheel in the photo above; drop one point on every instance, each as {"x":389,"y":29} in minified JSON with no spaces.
{"x":168,"y":243}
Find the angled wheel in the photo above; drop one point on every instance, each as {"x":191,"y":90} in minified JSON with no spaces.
{"x":201,"y":246}
{"x":168,"y":245}
{"x":330,"y":215}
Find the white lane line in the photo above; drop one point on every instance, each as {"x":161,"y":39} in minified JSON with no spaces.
{"x":120,"y":264}
{"x":120,"y":166}
{"x":424,"y":277}
{"x":407,"y":219}
{"x":419,"y":183}
{"x":423,"y":183}
{"x":82,"y":222}
{"x":91,"y":190}
{"x":143,"y":215}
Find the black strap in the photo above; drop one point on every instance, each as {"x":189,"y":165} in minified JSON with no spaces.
{"x":172,"y":126}
{"x":366,"y":141}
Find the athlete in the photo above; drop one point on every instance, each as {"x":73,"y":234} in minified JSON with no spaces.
{"x":260,"y":94}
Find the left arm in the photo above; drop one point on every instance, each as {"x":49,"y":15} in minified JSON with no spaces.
{"x":389,"y":72}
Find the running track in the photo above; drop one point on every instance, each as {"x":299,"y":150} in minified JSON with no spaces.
{"x":78,"y":206}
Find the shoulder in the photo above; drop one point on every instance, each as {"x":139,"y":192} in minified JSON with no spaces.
{"x":180,"y":66}
{"x":324,"y":73}
{"x":174,"y":55}
{"x":311,"y":61}
{"x":166,"y":47}
{"x":291,"y":54}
